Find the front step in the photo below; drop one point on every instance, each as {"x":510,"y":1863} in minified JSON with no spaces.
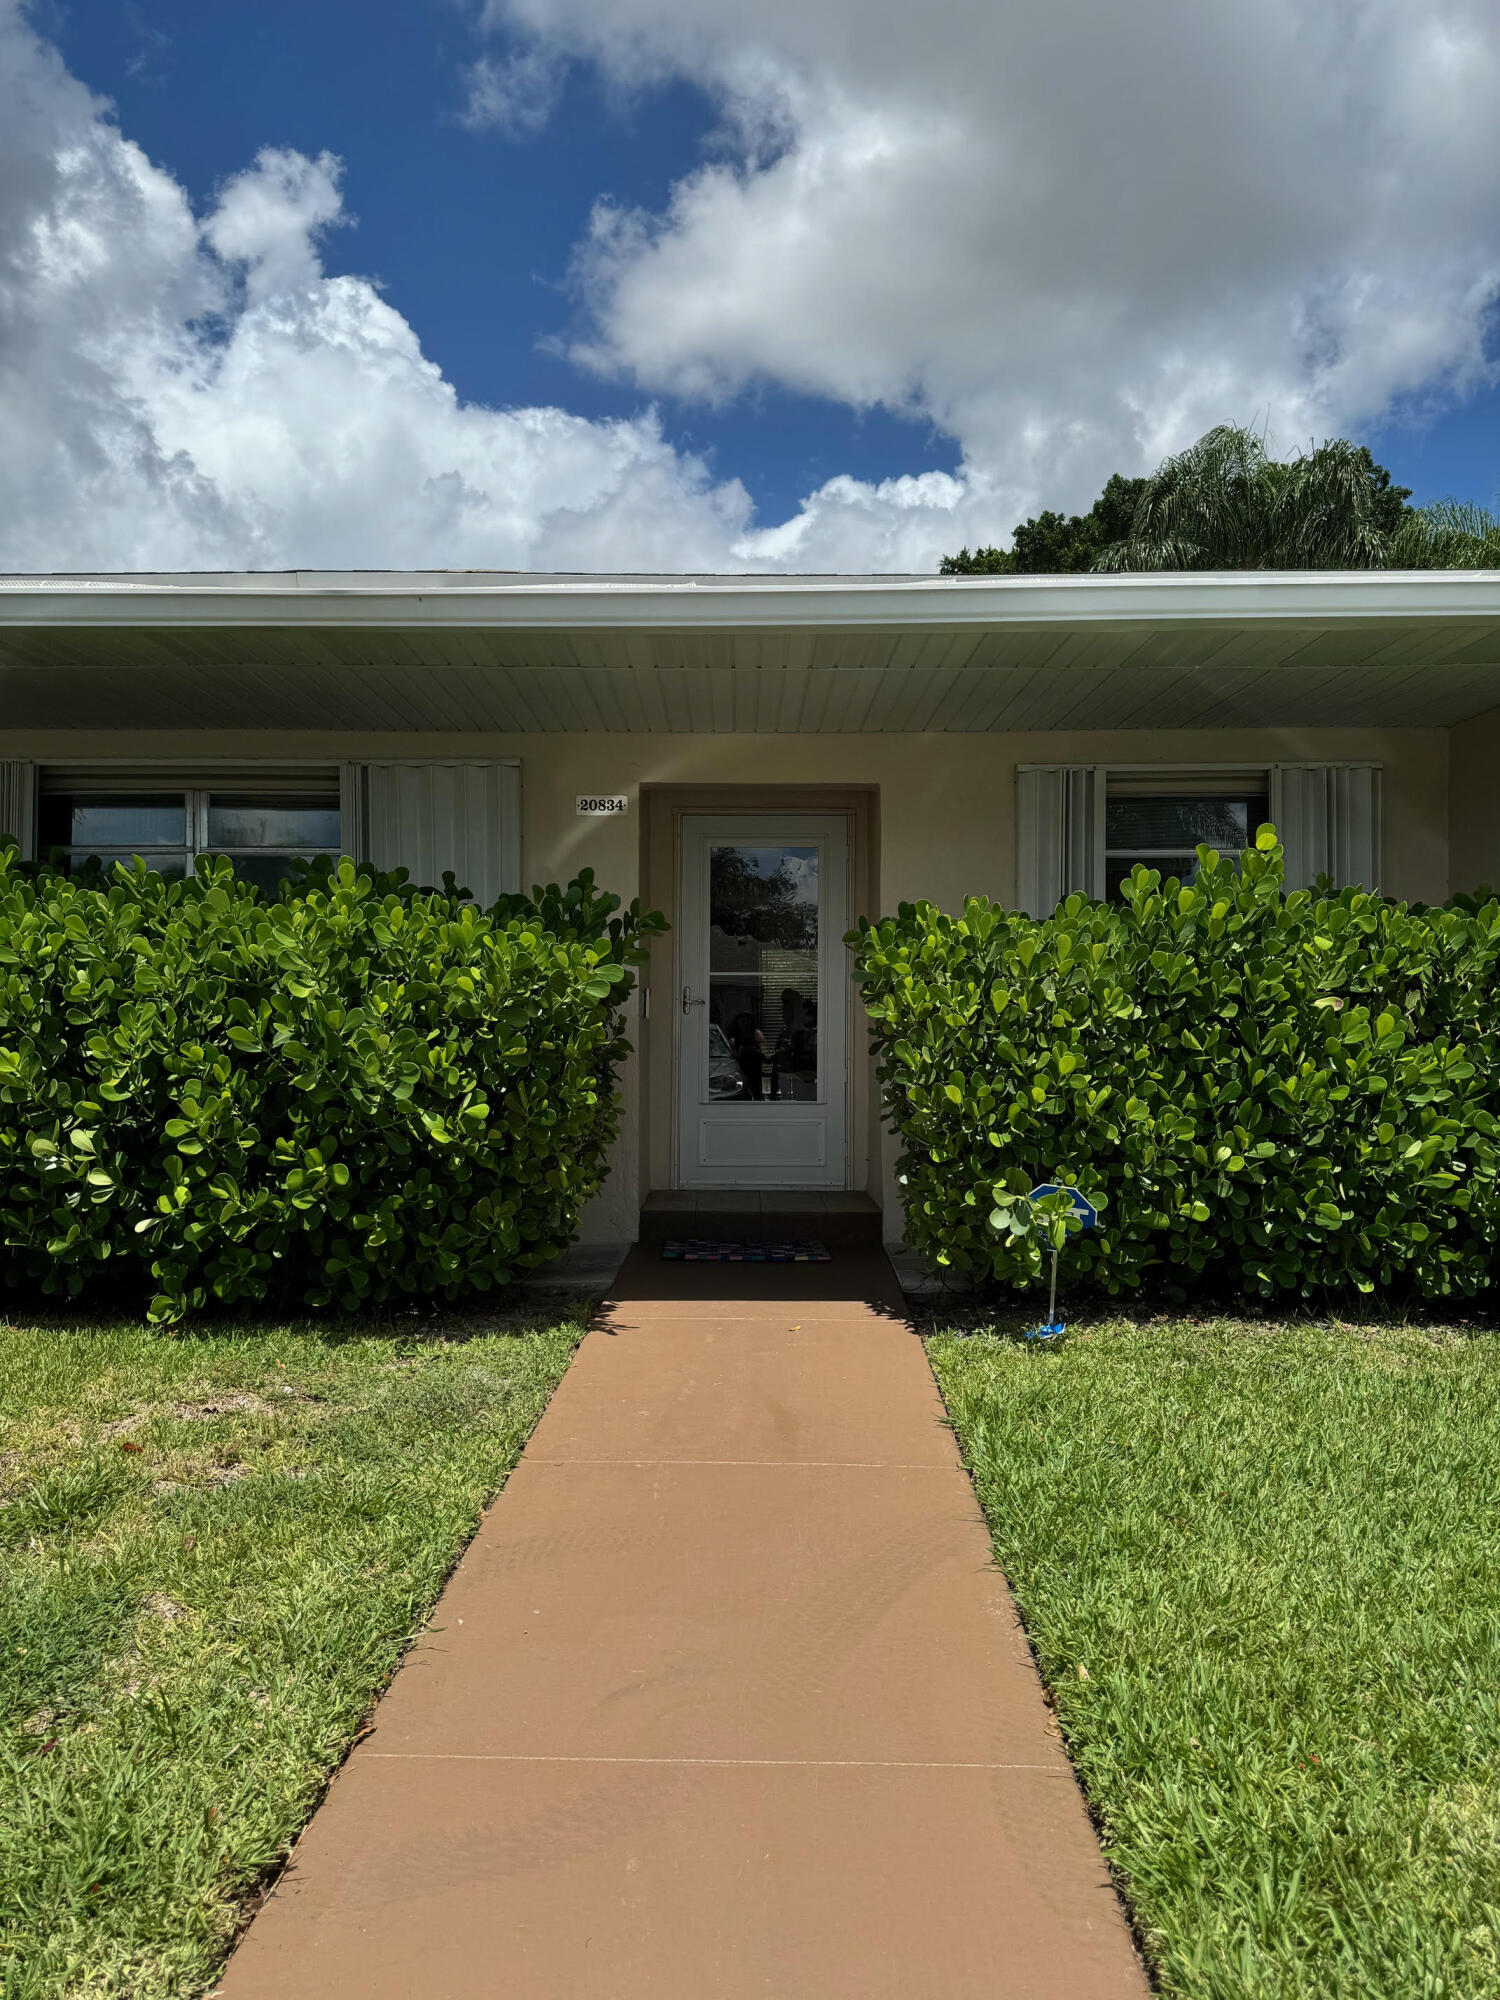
{"x":841,"y":1220}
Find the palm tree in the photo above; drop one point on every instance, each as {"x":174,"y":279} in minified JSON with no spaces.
{"x":1450,"y":534}
{"x":1225,"y":503}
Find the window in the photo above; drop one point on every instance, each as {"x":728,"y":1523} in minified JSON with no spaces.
{"x":261,"y":828}
{"x":1159,"y":825}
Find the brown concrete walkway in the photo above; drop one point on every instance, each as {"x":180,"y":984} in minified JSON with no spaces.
{"x":726,"y":1699}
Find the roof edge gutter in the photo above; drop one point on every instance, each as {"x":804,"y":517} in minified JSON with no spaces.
{"x":310,"y":601}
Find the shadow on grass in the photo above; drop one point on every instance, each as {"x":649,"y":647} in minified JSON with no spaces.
{"x":1009,"y":1318}
{"x":417,"y":1323}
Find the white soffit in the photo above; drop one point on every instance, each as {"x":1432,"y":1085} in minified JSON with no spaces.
{"x":460,"y":651}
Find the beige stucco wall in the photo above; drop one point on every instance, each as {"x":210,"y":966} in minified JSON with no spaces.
{"x":946,"y":811}
{"x":1474,"y":803}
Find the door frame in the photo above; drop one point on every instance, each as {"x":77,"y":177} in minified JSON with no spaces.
{"x":663,"y":808}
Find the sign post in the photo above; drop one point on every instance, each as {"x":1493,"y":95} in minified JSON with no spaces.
{"x":1079,"y":1214}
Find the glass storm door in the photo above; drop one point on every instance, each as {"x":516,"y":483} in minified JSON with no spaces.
{"x":764,"y":1002}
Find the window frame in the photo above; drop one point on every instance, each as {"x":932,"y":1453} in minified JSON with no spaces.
{"x":1330,"y":818}
{"x":1175,"y":782}
{"x":197,"y":784}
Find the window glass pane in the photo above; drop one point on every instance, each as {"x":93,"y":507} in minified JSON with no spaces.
{"x":292,"y":823}
{"x":92,"y":821}
{"x":1118,"y":873}
{"x":171,"y":864}
{"x":761,"y":1039}
{"x":1227,"y":824}
{"x":265,"y":870}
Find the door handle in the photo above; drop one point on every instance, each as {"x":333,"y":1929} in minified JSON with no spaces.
{"x":688,"y":1002}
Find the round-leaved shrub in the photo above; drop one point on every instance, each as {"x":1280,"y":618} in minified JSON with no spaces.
{"x":1264,"y":1093}
{"x":331,"y":1096}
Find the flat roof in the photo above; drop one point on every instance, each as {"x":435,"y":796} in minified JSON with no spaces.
{"x":460,"y":650}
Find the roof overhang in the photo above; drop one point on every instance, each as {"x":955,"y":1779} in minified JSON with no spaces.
{"x":456,"y":649}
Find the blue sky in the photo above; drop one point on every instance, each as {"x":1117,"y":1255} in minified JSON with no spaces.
{"x":721,"y":283}
{"x":469,"y":232}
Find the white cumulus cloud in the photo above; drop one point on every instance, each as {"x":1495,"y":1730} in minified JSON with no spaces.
{"x":1072,"y":235}
{"x":1069,"y":236}
{"x":195,"y":392}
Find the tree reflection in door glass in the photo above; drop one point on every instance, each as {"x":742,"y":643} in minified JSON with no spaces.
{"x":762,"y":1028}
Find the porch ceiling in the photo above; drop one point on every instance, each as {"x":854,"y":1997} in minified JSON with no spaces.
{"x":457,"y":652}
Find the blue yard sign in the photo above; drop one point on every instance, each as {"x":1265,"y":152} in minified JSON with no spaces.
{"x":1082,"y":1212}
{"x":1079,"y":1214}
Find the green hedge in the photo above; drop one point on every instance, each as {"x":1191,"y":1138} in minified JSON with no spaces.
{"x":332,"y":1096}
{"x":1265,"y":1093}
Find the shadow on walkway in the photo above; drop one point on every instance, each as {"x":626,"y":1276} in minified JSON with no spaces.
{"x":852,"y":1278}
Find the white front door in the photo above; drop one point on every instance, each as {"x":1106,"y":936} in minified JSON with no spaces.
{"x":762,"y":1073}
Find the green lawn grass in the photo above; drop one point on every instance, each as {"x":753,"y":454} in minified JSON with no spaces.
{"x":213,"y":1548}
{"x":1261,"y":1572}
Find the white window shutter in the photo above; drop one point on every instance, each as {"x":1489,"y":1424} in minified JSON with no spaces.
{"x":354,"y":815}
{"x":1328,"y":820}
{"x":1059,"y":834}
{"x":431,"y":816}
{"x":18,"y":804}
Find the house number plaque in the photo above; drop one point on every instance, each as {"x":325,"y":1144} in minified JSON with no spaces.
{"x":602,"y":805}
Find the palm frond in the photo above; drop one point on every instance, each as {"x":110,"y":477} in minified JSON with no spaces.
{"x":1209,"y":503}
{"x":1449,"y":534}
{"x":1323,"y":513}
{"x":1225,"y":503}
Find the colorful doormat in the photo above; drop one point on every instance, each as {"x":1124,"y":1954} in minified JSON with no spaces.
{"x":700,"y":1251}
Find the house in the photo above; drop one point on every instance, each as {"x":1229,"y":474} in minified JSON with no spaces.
{"x":763,"y":758}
